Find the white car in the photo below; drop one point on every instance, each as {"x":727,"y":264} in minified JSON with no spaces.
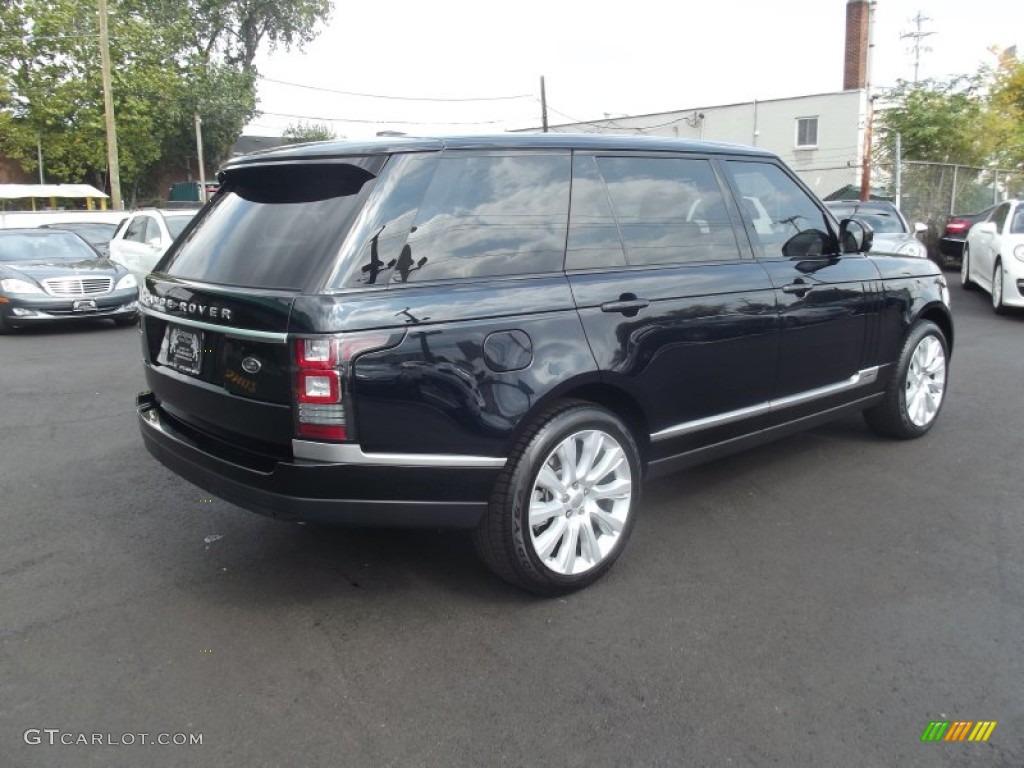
{"x":145,"y":236}
{"x":994,"y":256}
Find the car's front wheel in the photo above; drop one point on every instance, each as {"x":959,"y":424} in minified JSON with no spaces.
{"x":125,"y":321}
{"x":997,"y":289}
{"x":917,"y":388}
{"x":965,"y":269}
{"x":564,"y":507}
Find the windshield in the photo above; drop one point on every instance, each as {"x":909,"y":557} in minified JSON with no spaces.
{"x":1017,"y":225}
{"x":43,"y":246}
{"x":176,"y":224}
{"x":882,"y":222}
{"x":96,"y":233}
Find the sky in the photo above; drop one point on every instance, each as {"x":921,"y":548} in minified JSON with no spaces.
{"x":448,"y":60}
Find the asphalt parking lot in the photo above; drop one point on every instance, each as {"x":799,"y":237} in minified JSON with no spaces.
{"x":815,"y":602}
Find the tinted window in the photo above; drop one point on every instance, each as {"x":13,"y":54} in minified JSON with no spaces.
{"x":593,"y":234}
{"x":669,"y":210}
{"x":272,"y":227}
{"x":137,"y":229}
{"x":376,"y":242}
{"x":489,"y":216}
{"x":778,"y":210}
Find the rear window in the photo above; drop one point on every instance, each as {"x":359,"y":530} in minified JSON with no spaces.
{"x":176,"y":224}
{"x":274,"y":226}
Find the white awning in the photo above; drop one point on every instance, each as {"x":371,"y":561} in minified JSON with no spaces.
{"x":13,"y":191}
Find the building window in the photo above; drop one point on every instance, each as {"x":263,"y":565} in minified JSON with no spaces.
{"x":806,"y":132}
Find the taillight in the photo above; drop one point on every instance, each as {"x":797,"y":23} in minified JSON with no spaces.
{"x":956,"y":226}
{"x":320,"y":381}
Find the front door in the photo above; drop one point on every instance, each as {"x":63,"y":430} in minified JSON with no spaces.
{"x":824,"y":296}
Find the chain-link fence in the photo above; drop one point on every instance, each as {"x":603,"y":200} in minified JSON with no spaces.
{"x":932,"y":193}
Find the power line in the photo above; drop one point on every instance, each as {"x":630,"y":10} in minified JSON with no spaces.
{"x":358,"y":120}
{"x":396,"y":98}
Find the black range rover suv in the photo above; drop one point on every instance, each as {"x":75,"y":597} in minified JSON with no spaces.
{"x":508,"y":334}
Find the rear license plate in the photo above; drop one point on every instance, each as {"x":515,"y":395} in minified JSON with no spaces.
{"x":184,"y":350}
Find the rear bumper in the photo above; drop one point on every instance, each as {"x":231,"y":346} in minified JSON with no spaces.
{"x":330,"y":492}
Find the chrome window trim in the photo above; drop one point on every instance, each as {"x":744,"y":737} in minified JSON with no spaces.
{"x":243,"y":333}
{"x":859,"y":379}
{"x":351,"y":453}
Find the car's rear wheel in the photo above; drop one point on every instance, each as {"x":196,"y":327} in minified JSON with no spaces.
{"x":997,"y":289}
{"x":917,"y":389}
{"x":965,"y":269}
{"x":565,"y":506}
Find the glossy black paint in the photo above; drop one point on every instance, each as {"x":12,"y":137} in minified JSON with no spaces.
{"x":472,"y":362}
{"x":436,"y":390}
{"x":823,"y":305}
{"x":707,"y":343}
{"x":307,"y":491}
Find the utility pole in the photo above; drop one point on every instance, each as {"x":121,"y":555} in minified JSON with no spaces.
{"x":39,"y":155}
{"x":199,"y":154}
{"x":543,"y":105}
{"x":918,"y":36}
{"x":108,"y":109}
{"x":898,"y":172}
{"x":869,"y":107}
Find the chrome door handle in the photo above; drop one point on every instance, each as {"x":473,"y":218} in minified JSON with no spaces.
{"x":799,"y":287}
{"x":625,"y":306}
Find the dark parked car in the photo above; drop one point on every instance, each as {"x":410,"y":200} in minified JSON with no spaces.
{"x":951,"y":242}
{"x":508,"y":334}
{"x":97,"y":233}
{"x":50,"y":274}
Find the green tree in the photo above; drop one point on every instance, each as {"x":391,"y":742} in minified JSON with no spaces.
{"x":301,"y":132}
{"x":171,"y":59}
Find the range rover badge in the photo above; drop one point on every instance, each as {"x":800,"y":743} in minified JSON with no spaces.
{"x":251,"y":365}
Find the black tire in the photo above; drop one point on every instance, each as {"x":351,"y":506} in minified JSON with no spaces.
{"x":965,"y":271}
{"x":892,"y":417}
{"x":5,"y":327}
{"x":505,"y":538}
{"x":997,"y":288}
{"x":126,"y":321}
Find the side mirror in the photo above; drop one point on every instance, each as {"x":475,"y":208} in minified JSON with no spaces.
{"x":807,"y":244}
{"x":988,"y":227}
{"x":153,"y":242}
{"x":920,"y":227}
{"x":856,"y":236}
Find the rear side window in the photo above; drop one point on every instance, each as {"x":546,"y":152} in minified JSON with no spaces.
{"x":593,"y":234}
{"x":669,"y":210}
{"x":486,"y":216}
{"x":274,"y":226}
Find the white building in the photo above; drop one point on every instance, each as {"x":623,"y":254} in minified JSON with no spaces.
{"x":821,"y":136}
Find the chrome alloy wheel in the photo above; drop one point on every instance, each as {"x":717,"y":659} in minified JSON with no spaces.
{"x":580,"y":502}
{"x":926,"y":381}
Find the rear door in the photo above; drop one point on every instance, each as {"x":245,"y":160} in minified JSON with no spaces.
{"x":674,"y":307}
